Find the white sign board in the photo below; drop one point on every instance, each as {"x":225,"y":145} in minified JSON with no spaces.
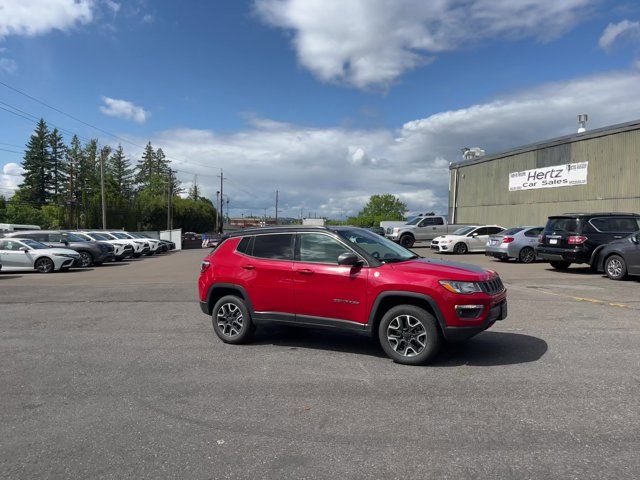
{"x":548,"y":177}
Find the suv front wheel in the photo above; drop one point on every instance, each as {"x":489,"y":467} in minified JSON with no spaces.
{"x":231,"y":320}
{"x":409,"y":335}
{"x":615,"y":267}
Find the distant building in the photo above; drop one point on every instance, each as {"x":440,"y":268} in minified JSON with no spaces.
{"x":591,"y":171}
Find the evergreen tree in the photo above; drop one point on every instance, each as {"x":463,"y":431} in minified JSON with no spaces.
{"x":58,"y":151}
{"x":194,"y":191}
{"x":74,"y":159}
{"x":162,"y":165}
{"x":146,"y":167}
{"x":120,"y":173}
{"x":38,"y":181}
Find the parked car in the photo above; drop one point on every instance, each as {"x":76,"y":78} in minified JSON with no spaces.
{"x":91,"y":253}
{"x":519,"y":243}
{"x":472,"y":238}
{"x":121,"y":249}
{"x":421,"y":229}
{"x":140,"y":247}
{"x":580,"y":237}
{"x":621,"y":258}
{"x":18,"y":253}
{"x":346,"y":278}
{"x":155,"y":245}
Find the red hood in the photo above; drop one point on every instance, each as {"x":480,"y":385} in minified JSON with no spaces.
{"x":445,"y":269}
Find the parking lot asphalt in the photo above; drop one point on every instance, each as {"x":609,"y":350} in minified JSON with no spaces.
{"x":114,"y":372}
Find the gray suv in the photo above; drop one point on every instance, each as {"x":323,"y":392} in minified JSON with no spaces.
{"x":91,"y":253}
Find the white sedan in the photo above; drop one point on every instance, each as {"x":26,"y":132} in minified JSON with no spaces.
{"x":27,"y":254}
{"x":473,"y":238}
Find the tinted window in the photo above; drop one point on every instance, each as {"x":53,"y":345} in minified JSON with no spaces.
{"x":277,"y":247}
{"x":615,"y":224}
{"x":319,"y":248}
{"x":54,"y":237}
{"x":512,"y":231}
{"x":243,"y":246}
{"x":562,"y":225}
{"x":40,"y":237}
{"x":479,"y":231}
{"x":534,"y":232}
{"x":494,"y":230}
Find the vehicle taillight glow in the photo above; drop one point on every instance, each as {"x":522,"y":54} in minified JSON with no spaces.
{"x":576,"y":239}
{"x":540,"y":238}
{"x":204,"y":265}
{"x":508,"y":239}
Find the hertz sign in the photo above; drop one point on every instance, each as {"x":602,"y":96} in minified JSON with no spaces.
{"x":549,"y":177}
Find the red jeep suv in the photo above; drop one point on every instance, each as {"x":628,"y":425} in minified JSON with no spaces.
{"x":346,"y":278}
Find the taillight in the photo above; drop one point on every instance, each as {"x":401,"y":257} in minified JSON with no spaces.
{"x":508,"y":239}
{"x":540,"y":238}
{"x":204,"y":265}
{"x":576,"y":239}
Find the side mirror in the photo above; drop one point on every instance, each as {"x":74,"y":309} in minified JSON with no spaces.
{"x":636,"y":238}
{"x":24,"y":249}
{"x":350,"y":259}
{"x":474,"y":235}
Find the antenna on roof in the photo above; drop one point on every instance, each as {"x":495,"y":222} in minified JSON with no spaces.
{"x":582,"y":122}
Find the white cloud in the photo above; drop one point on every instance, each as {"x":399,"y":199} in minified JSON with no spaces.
{"x":334,"y":170}
{"x":615,"y":31}
{"x":114,"y":107}
{"x":8,"y":65}
{"x":113,"y":6}
{"x":10,"y":178}
{"x":37,"y":17}
{"x":372,"y":42}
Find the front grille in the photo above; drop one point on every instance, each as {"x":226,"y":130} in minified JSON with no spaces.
{"x":493,"y":286}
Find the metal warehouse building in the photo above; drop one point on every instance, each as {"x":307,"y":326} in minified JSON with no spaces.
{"x":594,"y":171}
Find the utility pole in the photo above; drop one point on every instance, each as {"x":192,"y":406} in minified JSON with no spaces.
{"x":276,"y":207}
{"x":104,"y":205}
{"x":169,"y":200}
{"x":221,"y":223}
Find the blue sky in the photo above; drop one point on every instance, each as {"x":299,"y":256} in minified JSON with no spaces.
{"x":327,"y":101}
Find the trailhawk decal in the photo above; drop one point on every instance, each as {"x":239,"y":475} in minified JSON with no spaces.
{"x":549,"y":177}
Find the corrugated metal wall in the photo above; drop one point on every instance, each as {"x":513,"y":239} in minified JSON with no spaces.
{"x":613,"y":183}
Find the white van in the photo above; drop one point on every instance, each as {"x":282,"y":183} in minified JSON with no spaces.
{"x":13,"y":227}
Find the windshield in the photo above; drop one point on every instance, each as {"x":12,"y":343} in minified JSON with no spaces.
{"x":83,"y":236}
{"x":102,"y":236}
{"x":33,"y":244}
{"x":377,"y":246}
{"x":72,"y":237}
{"x":464,"y":230}
{"x":120,"y":235}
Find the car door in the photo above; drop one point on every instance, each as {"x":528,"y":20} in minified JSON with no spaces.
{"x":632,"y":255}
{"x":324,"y":290}
{"x":428,"y":228}
{"x":12,"y":256}
{"x":267,"y":273}
{"x":477,"y":240}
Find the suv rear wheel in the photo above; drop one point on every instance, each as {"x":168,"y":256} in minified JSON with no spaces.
{"x":560,"y":265}
{"x":407,"y":240}
{"x":409,"y":335}
{"x":231,"y":320}
{"x":615,"y":267}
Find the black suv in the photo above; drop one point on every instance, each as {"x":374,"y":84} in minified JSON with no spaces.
{"x":91,"y":253}
{"x":580,"y":237}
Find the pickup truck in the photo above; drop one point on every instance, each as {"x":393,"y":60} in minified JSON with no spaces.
{"x":421,"y":229}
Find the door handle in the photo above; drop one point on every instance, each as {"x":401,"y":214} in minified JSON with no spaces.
{"x":305,"y":271}
{"x":249,"y":267}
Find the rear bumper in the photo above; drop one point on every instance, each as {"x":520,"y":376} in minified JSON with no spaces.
{"x":457,"y":334}
{"x":496,"y":252}
{"x":563,"y":255}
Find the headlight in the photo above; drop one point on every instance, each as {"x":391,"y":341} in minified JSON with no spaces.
{"x":396,"y":230}
{"x":461,"y":287}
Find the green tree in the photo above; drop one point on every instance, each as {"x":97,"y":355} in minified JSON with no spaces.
{"x":58,"y":151}
{"x":37,"y":184}
{"x":380,"y":208}
{"x":73,"y":165}
{"x":146,"y":167}
{"x":118,"y":170}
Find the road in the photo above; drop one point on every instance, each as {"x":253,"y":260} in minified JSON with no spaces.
{"x":115,"y":373}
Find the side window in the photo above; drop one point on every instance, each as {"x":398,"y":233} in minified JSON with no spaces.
{"x":479,"y":231}
{"x":601,"y":224}
{"x":425,"y":222}
{"x":318,"y":248}
{"x":494,"y":230}
{"x":54,"y":237}
{"x":243,"y":245}
{"x":534,"y":232}
{"x":276,"y":247}
{"x":438,"y":221}
{"x":624,"y":225}
{"x":9,"y":245}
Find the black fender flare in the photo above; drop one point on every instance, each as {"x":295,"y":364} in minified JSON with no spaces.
{"x":227,"y":286}
{"x":402,"y":293}
{"x":595,"y":254}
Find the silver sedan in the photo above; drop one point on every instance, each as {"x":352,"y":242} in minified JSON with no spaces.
{"x":519,"y":243}
{"x":27,"y":254}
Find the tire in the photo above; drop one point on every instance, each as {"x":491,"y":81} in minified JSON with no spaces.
{"x":137,"y":255}
{"x":504,"y":259}
{"x":560,"y":265}
{"x":409,"y":335}
{"x":86,"y":260}
{"x":407,"y":240}
{"x":44,"y":265}
{"x":231,"y":320}
{"x":527,"y":255}
{"x":460,"y":248}
{"x":615,"y":267}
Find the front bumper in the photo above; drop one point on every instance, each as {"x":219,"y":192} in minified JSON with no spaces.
{"x":456,"y":334}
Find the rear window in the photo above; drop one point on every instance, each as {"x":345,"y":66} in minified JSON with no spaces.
{"x":563,"y":225}
{"x":276,"y":247}
{"x":512,"y":231}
